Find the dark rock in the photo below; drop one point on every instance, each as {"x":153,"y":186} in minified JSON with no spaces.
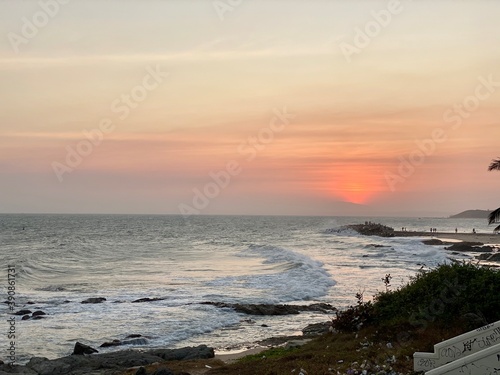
{"x":94,"y":300}
{"x":38,"y":313}
{"x":133,"y":336}
{"x":23,"y":312}
{"x":26,"y":317}
{"x":138,"y":341}
{"x":37,"y":317}
{"x":490,"y":257}
{"x":147,"y":300}
{"x":9,"y":369}
{"x":141,"y":371}
{"x":320,"y":307}
{"x":81,"y":349}
{"x":266,"y":309}
{"x":276,"y":341}
{"x":317,"y":329}
{"x":30,"y":303}
{"x":163,"y":371}
{"x":264,"y":325}
{"x":469,"y":246}
{"x":107,"y":363}
{"x":198,"y":352}
{"x":111,"y":343}
{"x":434,"y":241}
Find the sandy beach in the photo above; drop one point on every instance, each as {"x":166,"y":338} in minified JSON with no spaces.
{"x":486,"y":238}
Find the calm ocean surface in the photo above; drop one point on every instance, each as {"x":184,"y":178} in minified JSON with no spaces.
{"x":63,"y":259}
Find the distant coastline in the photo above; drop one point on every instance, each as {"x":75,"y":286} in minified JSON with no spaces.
{"x":472,"y":214}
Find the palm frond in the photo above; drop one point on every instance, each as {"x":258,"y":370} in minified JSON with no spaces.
{"x":494,"y":165}
{"x":497,"y":229}
{"x":494,"y":216}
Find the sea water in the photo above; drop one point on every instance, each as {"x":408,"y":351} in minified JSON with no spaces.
{"x":61,"y":260}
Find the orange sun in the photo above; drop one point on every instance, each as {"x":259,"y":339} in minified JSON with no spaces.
{"x":354,"y":188}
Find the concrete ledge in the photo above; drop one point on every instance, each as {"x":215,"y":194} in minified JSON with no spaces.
{"x":458,"y":347}
{"x":484,"y":362}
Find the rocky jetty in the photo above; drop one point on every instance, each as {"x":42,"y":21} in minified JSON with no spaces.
{"x":103,"y":364}
{"x":268,"y":309}
{"x":372,"y":229}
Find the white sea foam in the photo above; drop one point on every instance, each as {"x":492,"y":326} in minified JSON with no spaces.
{"x":292,"y":276}
{"x":124,"y":258}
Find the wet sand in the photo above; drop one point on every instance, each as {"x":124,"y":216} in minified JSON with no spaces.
{"x":234,"y":356}
{"x":486,"y":238}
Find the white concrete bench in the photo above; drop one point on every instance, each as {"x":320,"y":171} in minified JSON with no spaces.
{"x":484,"y":362}
{"x":458,"y":347}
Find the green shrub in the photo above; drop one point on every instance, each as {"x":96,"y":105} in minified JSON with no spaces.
{"x":458,"y":293}
{"x":443,"y":296}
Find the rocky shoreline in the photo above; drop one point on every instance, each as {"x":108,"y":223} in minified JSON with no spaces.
{"x":84,"y":361}
{"x":88,"y":360}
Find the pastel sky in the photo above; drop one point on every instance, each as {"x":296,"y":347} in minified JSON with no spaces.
{"x":249,"y":107}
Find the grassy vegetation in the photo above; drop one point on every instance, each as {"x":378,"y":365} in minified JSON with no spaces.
{"x":380,"y":337}
{"x":455,"y":294}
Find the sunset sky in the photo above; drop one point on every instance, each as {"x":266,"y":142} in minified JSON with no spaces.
{"x":259,"y":107}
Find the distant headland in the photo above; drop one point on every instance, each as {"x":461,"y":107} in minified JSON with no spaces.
{"x":472,"y":214}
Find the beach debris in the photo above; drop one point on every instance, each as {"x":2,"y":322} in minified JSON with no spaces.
{"x":389,"y":345}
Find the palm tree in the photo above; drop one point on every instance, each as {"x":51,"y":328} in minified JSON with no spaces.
{"x":494,"y":217}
